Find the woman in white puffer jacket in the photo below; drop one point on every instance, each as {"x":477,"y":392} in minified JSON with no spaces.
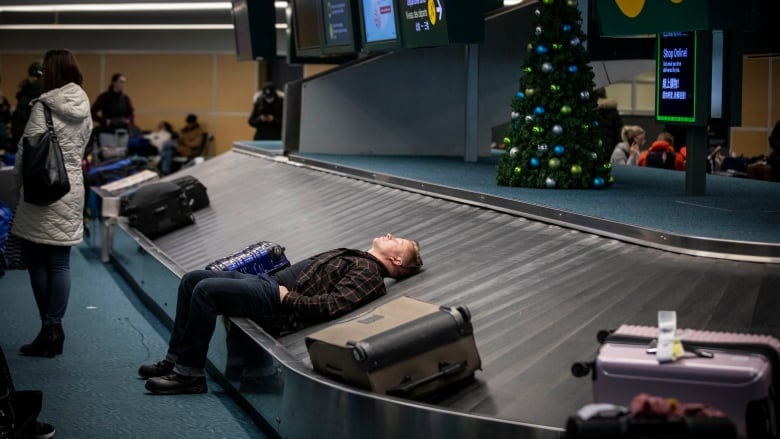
{"x":49,"y":232}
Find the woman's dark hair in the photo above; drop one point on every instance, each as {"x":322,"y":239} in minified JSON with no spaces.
{"x":168,"y":126}
{"x":59,"y":68}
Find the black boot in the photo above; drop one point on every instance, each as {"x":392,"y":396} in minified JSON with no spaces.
{"x":48,"y":343}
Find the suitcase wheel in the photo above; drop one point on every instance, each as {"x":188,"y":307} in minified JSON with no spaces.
{"x":602,"y":335}
{"x":581,"y":368}
{"x":464,"y":311}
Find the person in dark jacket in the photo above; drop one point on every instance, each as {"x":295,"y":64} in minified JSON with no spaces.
{"x":113,"y":109}
{"x":266,"y":115}
{"x":5,"y":119}
{"x":314,"y":290}
{"x":774,"y":157}
{"x":29,"y":89}
{"x":610,"y":122}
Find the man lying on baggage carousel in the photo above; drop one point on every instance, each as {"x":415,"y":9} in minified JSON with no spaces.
{"x":311,"y":291}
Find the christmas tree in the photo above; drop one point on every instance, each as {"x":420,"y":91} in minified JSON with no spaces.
{"x":554,"y":140}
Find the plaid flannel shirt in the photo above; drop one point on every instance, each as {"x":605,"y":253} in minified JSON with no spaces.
{"x":336,"y":282}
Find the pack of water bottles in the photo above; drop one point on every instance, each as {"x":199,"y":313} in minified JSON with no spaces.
{"x":262,"y":257}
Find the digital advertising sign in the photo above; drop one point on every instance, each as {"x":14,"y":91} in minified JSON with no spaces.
{"x":677,"y":80}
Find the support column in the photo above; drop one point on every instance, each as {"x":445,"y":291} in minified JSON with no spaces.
{"x":696,"y":161}
{"x":471,"y":144}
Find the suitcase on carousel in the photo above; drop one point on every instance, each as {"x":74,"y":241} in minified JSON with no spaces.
{"x":258,"y":258}
{"x":116,"y":170}
{"x":195,"y":191}
{"x":405,"y":348}
{"x":735,"y":373}
{"x":157,"y":208}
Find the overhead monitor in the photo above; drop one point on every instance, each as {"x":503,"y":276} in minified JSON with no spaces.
{"x":379,"y":25}
{"x":306,"y":27}
{"x":254,"y":28}
{"x":339,"y":21}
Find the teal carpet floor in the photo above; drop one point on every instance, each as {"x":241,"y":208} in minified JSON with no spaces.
{"x":92,"y":390}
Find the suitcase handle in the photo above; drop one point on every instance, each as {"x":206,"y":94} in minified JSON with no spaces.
{"x":445,"y":369}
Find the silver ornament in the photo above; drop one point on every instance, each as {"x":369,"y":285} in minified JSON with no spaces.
{"x":575,"y":41}
{"x":514,"y":151}
{"x":529,"y":118}
{"x":549,"y":182}
{"x":584,"y":95}
{"x":547,"y":67}
{"x":557,"y":130}
{"x":538,"y":31}
{"x":515,"y":115}
{"x":542,"y":147}
{"x":593,"y":155}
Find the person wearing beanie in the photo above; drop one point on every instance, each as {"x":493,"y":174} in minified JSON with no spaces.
{"x":266,"y":115}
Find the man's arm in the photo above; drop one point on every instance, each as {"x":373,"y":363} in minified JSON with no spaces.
{"x":353,"y":290}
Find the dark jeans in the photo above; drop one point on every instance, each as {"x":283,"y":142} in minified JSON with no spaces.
{"x":49,"y":269}
{"x":205,"y":294}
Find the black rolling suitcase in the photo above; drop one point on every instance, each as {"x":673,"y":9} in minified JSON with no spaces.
{"x":405,"y":348}
{"x":195,"y":191}
{"x":157,"y":208}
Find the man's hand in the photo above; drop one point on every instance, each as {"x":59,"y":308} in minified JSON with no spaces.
{"x":282,"y":292}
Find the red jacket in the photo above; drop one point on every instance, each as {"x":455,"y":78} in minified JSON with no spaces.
{"x":662,"y":146}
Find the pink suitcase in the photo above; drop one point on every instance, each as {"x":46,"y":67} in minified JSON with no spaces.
{"x":735,"y":373}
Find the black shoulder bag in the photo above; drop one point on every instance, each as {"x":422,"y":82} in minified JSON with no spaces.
{"x":45,"y":178}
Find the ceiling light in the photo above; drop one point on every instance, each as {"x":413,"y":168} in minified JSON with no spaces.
{"x":98,"y":7}
{"x":115,"y":26}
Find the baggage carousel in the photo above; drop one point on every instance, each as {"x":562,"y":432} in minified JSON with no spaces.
{"x":538,"y":292}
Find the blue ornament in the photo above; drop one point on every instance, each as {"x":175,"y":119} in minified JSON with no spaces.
{"x":598,"y":182}
{"x":520,"y":95}
{"x":541,"y":50}
{"x":595,"y":123}
{"x":559,"y":150}
{"x":566,"y":27}
{"x":539,"y":111}
{"x":534,"y":162}
{"x":573,"y":69}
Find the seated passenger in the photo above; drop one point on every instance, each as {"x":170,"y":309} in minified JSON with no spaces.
{"x":661,"y":154}
{"x":164,"y":133}
{"x":627,"y":152}
{"x":311,"y":291}
{"x":188,"y":144}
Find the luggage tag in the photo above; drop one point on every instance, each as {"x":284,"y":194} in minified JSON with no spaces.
{"x":669,"y":346}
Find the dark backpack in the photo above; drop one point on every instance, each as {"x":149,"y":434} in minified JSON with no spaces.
{"x":19,"y":409}
{"x":660,"y":159}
